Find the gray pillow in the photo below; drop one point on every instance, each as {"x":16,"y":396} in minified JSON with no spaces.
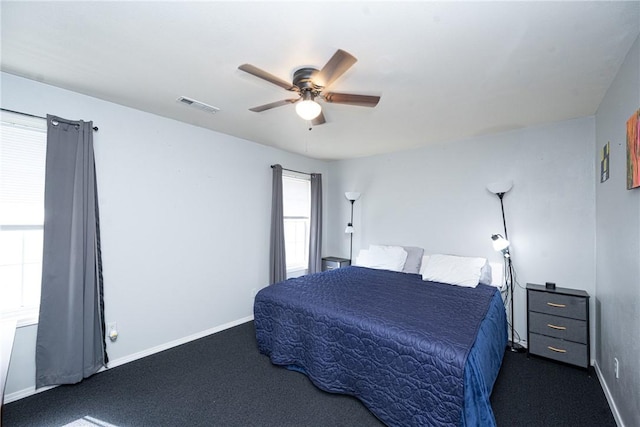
{"x":485,"y":274}
{"x":414,"y":259}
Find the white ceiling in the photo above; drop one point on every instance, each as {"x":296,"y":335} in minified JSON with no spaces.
{"x":445,"y":70}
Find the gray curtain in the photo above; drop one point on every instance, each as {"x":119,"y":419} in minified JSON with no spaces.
{"x":277,"y":256}
{"x":70,"y":343}
{"x":315,"y":231}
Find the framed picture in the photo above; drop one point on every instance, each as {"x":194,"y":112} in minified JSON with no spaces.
{"x":604,"y":163}
{"x":633,"y":151}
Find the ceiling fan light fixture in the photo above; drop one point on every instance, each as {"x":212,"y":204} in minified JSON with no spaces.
{"x":308,"y":109}
{"x":309,"y":83}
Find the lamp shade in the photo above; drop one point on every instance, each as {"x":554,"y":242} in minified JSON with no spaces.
{"x":308,"y":110}
{"x":352,"y":195}
{"x":500,"y":244}
{"x":499,"y":186}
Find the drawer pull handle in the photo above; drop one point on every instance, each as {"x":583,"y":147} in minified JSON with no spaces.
{"x":558,"y":350}
{"x":561,"y":328}
{"x":556,"y":305}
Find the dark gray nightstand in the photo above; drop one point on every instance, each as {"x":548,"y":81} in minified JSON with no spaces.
{"x":333,"y":262}
{"x":558,"y":324}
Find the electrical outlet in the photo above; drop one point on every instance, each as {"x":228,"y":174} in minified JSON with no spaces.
{"x":616,"y":367}
{"x":112,"y":331}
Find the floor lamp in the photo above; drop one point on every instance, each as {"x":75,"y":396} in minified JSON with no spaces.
{"x":351,"y":196}
{"x":501,"y":244}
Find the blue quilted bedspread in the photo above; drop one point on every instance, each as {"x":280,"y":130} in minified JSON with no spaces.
{"x":405,"y":347}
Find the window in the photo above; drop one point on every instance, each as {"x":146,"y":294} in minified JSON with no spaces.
{"x":296,"y":195}
{"x":23,"y":143}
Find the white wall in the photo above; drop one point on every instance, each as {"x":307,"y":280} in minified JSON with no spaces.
{"x":436,"y":198}
{"x":185,"y":216}
{"x":618,"y":250}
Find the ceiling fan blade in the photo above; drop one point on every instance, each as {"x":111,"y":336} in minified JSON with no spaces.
{"x":340,"y":62}
{"x":248,"y":68}
{"x":318,"y":120}
{"x":273,"y":105}
{"x":351,"y":99}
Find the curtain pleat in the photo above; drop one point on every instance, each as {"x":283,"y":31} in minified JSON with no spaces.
{"x":70,"y":342}
{"x":277,"y":255}
{"x":315,"y":230}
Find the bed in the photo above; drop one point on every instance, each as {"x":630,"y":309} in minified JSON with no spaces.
{"x":414,"y":352}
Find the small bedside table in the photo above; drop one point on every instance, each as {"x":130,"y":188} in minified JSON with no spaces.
{"x":333,"y":262}
{"x":558,"y":324}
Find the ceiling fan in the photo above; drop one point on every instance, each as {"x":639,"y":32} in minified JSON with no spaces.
{"x":310,"y":84}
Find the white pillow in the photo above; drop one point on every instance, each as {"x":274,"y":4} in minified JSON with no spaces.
{"x":387,"y":257}
{"x":455,"y":270}
{"x":362,"y":259}
{"x":497,"y":274}
{"x":365,"y":259}
{"x":490,"y":274}
{"x":382,"y":257}
{"x":425,"y":261}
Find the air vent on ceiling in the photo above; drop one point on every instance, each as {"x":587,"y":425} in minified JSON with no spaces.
{"x":197,"y":104}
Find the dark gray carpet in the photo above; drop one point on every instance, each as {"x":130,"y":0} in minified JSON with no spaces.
{"x":222,"y":380}
{"x":540,"y":392}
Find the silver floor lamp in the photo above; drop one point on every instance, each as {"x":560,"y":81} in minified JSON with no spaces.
{"x":501,"y":244}
{"x":351,"y":196}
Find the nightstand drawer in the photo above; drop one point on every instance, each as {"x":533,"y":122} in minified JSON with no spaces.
{"x":558,"y":327}
{"x":558,"y":305}
{"x":557,"y":349}
{"x":332,"y":262}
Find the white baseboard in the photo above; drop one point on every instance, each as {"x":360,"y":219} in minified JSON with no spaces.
{"x":20,"y":394}
{"x":26,"y":392}
{"x":175,"y":343}
{"x":607,"y":393}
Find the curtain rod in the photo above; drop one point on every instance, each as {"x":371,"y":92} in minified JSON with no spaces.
{"x":291,"y":170}
{"x":95,"y":128}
